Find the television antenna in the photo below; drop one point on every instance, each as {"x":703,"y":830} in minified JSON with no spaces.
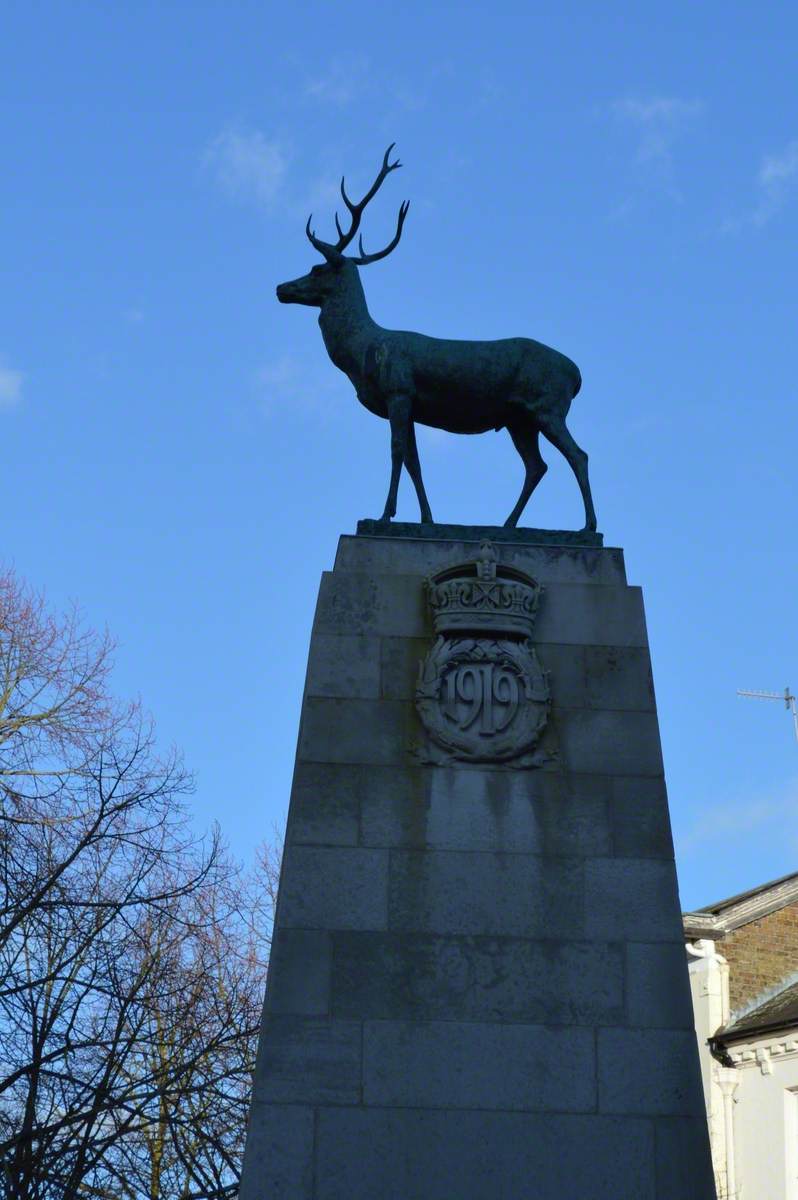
{"x":786,"y":696}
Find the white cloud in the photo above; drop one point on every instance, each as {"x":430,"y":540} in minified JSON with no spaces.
{"x":247,"y":165}
{"x":778,"y":176}
{"x":656,"y":109}
{"x":10,"y":387}
{"x":343,"y":80}
{"x":776,"y":179}
{"x":658,"y":122}
{"x":281,"y":378}
{"x":292,"y":385}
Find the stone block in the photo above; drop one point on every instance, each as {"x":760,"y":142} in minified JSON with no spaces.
{"x":389,"y":976}
{"x":308,"y":1060}
{"x":325,"y":804}
{"x":333,"y":887}
{"x":344,"y":666}
{"x":641,"y":826}
{"x":355,"y":603}
{"x":400,"y":659}
{"x":657,"y":986}
{"x":606,"y":677}
{"x":515,"y":811}
{"x":649,"y":1073}
{"x":571,"y":614}
{"x":632,"y":899}
{"x":299,"y":976}
{"x":609,"y":677}
{"x":406,"y":1154}
{"x":684,"y":1165}
{"x":601,"y":742}
{"x":586,"y":565}
{"x":278,"y":1161}
{"x":357,"y":731}
{"x":515,"y":895}
{"x":453,"y":1064}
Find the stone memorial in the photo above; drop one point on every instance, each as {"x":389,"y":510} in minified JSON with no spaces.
{"x":478,"y":987}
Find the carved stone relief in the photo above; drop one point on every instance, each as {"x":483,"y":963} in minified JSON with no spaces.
{"x":482,"y":695}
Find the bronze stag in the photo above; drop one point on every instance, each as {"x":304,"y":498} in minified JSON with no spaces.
{"x":459,"y":386}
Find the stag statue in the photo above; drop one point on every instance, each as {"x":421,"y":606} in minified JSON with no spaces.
{"x":459,"y":386}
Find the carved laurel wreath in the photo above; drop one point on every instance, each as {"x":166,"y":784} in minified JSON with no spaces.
{"x":522,"y":731}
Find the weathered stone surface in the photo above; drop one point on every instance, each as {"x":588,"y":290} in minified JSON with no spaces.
{"x":595,"y":677}
{"x":279,"y":1156}
{"x":407,"y":976}
{"x":653,"y":995}
{"x":357,"y":731}
{"x":334,"y":887}
{"x":516,"y":811}
{"x":600,"y":677}
{"x":596,"y":616}
{"x":309,"y":1060}
{"x":632,"y":899}
{"x":529,"y":811}
{"x":478,"y":987}
{"x":518,"y":895}
{"x":641,"y":826}
{"x":428,"y":1154}
{"x":609,"y":742}
{"x":325,"y":804}
{"x":399,"y":665}
{"x":584,"y":565}
{"x":346,"y":666}
{"x":354,"y":604}
{"x":452,"y":1064}
{"x":351,"y":603}
{"x":299,"y":981}
{"x":649,"y":1073}
{"x":684,"y":1167}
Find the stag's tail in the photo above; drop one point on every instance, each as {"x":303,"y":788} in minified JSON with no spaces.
{"x":577,"y":381}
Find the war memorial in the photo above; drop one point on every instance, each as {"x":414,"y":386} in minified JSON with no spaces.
{"x":478,"y":988}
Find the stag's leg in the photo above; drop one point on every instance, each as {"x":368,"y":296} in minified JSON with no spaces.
{"x":414,"y":471}
{"x":399,"y":416}
{"x":525,"y":440}
{"x":554,"y":428}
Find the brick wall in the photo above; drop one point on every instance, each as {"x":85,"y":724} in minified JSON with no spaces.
{"x":761,"y":954}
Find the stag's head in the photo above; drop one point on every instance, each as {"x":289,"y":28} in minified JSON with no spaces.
{"x":327,"y":278}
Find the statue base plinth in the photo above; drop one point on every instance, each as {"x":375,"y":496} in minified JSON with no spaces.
{"x":479,"y":533}
{"x":478,"y":985}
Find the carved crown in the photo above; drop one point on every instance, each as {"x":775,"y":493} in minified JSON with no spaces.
{"x":483,"y":597}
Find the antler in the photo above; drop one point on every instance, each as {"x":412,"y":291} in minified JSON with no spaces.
{"x":364,"y":259}
{"x":330,"y":251}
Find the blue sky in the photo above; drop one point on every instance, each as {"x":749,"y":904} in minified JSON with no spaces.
{"x":618,"y":181}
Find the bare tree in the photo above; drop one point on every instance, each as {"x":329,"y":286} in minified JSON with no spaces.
{"x":129,"y":970}
{"x":202,"y":1022}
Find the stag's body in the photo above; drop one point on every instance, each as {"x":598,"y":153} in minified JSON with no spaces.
{"x":473,"y":387}
{"x":458,"y":386}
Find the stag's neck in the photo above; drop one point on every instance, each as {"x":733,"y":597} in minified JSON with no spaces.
{"x":347,"y":329}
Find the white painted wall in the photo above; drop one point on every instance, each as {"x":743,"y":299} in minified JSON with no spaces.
{"x":766,"y":1119}
{"x":709,"y":987}
{"x":752,"y":1107}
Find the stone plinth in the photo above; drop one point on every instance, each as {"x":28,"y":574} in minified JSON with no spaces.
{"x":478,"y":989}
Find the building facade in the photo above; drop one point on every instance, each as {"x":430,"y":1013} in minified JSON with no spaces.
{"x":743,"y":962}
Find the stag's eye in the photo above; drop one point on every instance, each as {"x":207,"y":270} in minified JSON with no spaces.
{"x":315,"y":270}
